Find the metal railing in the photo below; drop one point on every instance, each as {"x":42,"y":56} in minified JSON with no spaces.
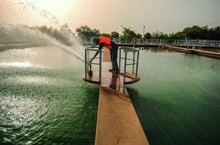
{"x":89,"y":53}
{"x":128,"y":64}
{"x":130,"y":56}
{"x":182,"y":42}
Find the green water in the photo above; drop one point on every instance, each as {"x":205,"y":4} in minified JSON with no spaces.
{"x":178,"y":97}
{"x":43,"y":99}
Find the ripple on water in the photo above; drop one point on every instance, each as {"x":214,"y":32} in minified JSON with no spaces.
{"x":19,"y":116}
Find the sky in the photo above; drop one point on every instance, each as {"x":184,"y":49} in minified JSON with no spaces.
{"x":111,"y":15}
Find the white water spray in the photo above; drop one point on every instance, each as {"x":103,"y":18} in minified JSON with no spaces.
{"x":18,"y":36}
{"x":24,"y":35}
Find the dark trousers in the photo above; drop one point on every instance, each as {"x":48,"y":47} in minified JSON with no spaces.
{"x":114,"y":55}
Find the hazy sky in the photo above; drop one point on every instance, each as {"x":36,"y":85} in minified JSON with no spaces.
{"x":110,"y":15}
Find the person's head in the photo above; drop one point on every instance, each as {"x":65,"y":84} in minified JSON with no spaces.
{"x":95,"y":40}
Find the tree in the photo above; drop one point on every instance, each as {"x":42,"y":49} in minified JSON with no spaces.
{"x":114,"y":34}
{"x":147,"y":35}
{"x":85,"y":32}
{"x":177,"y":35}
{"x":138,"y":35}
{"x":192,"y":32}
{"x":105,"y":34}
{"x":128,"y":33}
{"x":216,"y":33}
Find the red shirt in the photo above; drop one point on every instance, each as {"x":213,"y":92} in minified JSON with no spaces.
{"x":106,"y":41}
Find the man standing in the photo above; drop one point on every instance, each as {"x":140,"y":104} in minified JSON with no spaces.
{"x":106,"y":42}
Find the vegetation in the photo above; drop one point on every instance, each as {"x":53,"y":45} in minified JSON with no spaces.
{"x":65,"y":35}
{"x":194,"y":32}
{"x":85,"y":33}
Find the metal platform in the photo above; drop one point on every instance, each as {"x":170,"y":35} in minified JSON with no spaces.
{"x":129,"y":77}
{"x":128,"y":65}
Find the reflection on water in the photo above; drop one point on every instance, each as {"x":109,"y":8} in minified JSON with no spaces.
{"x":34,"y":80}
{"x":43,"y":98}
{"x":40,"y":57}
{"x":16,"y":64}
{"x":177,"y":98}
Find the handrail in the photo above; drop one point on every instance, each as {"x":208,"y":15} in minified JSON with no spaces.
{"x":128,"y":65}
{"x":134,"y":60}
{"x":88,"y":71}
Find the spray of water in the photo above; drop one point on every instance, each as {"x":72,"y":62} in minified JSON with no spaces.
{"x":34,"y":36}
{"x":22,"y":35}
{"x":76,"y":48}
{"x":27,"y":6}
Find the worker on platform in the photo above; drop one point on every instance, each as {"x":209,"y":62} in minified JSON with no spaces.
{"x":106,"y":42}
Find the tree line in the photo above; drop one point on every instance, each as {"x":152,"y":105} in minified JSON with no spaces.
{"x":64,"y":34}
{"x":193,"y":32}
